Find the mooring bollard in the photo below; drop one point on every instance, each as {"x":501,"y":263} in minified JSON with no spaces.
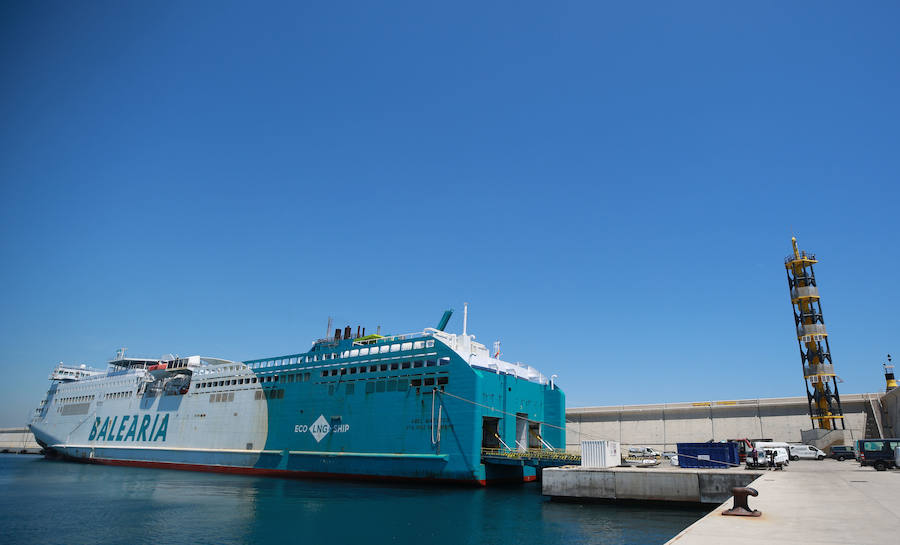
{"x":741,"y":509}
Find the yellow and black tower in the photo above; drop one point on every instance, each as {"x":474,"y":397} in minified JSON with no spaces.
{"x":818,"y":370}
{"x":889,"y":381}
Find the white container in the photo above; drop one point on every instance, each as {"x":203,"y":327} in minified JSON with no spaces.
{"x":600,"y":454}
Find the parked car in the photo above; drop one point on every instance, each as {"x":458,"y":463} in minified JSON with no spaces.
{"x":878,"y":453}
{"x":642,"y":451}
{"x":806,"y":451}
{"x":841,"y":453}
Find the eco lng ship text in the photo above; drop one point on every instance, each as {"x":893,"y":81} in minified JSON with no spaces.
{"x":429,"y":405}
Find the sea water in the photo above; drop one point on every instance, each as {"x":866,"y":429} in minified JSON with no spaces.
{"x":45,"y":501}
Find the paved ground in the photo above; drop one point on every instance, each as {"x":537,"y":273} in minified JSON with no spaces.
{"x":817,"y":502}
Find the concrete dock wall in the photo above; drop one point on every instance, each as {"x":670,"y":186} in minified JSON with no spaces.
{"x":647,"y":484}
{"x":663,"y":425}
{"x":17,"y":440}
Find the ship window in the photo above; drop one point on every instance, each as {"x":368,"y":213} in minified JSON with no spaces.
{"x":384,"y":367}
{"x":354,"y":353}
{"x":379,"y":386}
{"x":305,"y":376}
{"x":405,"y":365}
{"x":334,"y":372}
{"x":324,"y":373}
{"x":231,"y":396}
{"x":370,"y":387}
{"x":418,"y":344}
{"x":392,"y":386}
{"x":350,"y":388}
{"x":429,"y":344}
{"x":444,"y":361}
{"x":442,"y":380}
{"x":362,"y":369}
{"x":385,"y":349}
{"x":343,"y":371}
{"x":257,"y":394}
{"x":316,"y":357}
{"x":363,"y":351}
{"x":353,"y":370}
{"x":430,"y":363}
{"x":418,"y":363}
{"x":275,"y":378}
{"x":289,"y":378}
{"x":373,"y":368}
{"x":402,"y":384}
{"x":395,"y":366}
{"x":254,"y":380}
{"x":395,"y":348}
{"x":429,"y":382}
{"x":416,"y":382}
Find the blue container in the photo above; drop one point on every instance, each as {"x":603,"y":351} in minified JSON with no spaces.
{"x":708,"y":454}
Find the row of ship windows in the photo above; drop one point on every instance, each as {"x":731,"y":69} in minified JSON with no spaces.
{"x":292,"y":377}
{"x":76,"y":399}
{"x":375,"y":386}
{"x":385,"y":367}
{"x":225,"y":397}
{"x":356,"y":352}
{"x":303,"y":377}
{"x":118,"y":395}
{"x":392,"y":385}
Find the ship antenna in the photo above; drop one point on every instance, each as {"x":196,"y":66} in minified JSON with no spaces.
{"x":465,"y":317}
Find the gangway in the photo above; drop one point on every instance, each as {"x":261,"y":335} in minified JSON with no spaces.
{"x":531,"y":457}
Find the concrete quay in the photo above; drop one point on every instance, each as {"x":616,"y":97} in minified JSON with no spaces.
{"x":18,"y":440}
{"x":823,"y":502}
{"x":662,"y":483}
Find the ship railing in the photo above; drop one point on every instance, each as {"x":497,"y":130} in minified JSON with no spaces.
{"x":393,"y":338}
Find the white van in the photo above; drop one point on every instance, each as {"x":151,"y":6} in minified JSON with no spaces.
{"x":806,"y":451}
{"x":762,"y":457}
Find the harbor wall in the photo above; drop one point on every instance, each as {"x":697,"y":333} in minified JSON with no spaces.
{"x":659,"y":484}
{"x":663,"y":425}
{"x":18,"y":440}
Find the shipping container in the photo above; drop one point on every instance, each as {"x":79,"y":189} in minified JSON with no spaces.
{"x":708,"y":455}
{"x":600,"y":454}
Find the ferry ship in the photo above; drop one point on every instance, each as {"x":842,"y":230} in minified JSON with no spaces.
{"x":429,"y":405}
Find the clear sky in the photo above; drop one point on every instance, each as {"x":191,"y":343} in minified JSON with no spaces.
{"x":611,"y":186}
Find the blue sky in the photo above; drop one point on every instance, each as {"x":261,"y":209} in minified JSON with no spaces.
{"x":612,"y":188}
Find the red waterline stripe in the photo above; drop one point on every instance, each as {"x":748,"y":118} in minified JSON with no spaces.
{"x":262,"y":472}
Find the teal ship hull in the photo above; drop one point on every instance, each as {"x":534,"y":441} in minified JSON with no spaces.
{"x":424,"y":406}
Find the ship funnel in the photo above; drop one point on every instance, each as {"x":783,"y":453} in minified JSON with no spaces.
{"x":444,"y":319}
